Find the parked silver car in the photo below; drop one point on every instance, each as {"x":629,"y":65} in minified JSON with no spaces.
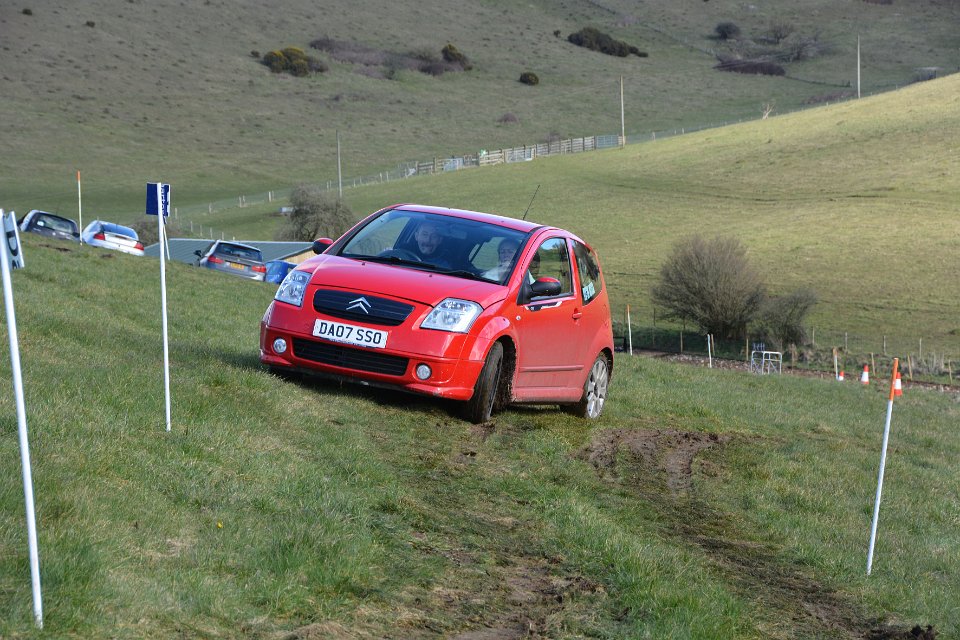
{"x":50,"y":225}
{"x":233,"y":258}
{"x":109,"y":235}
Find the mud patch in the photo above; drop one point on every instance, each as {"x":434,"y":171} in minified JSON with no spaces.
{"x":644,"y":460}
{"x":665,"y":453}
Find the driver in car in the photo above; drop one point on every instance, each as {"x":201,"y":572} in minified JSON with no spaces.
{"x":429,"y":244}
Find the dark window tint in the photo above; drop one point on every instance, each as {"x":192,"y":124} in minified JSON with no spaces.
{"x":591,"y":284}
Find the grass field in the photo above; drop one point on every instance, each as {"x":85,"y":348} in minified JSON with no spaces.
{"x":165,"y":91}
{"x":856,"y":201}
{"x":704,"y":504}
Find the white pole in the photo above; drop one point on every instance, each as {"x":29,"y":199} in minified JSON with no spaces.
{"x":858,"y":65}
{"x":629,"y":331}
{"x":22,"y":431}
{"x":163,"y":302}
{"x":883,"y":463}
{"x":339,"y":173}
{"x":79,"y":206}
{"x":709,"y":351}
{"x":623,"y":134}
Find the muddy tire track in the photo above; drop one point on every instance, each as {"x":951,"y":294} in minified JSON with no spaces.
{"x":647,"y":461}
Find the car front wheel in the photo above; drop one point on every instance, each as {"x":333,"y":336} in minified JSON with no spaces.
{"x":594,"y":396}
{"x":479,"y":408}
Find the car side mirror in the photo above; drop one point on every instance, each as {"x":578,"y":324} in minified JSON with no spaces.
{"x":198,"y":253}
{"x":321,"y":244}
{"x":545,"y":287}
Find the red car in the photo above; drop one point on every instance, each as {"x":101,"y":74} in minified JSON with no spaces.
{"x":457,"y":304}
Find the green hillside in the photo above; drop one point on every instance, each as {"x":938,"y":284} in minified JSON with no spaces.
{"x":705,"y":504}
{"x":139,"y":91}
{"x":857,"y":201}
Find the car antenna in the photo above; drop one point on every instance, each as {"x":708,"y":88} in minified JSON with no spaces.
{"x":531,"y":202}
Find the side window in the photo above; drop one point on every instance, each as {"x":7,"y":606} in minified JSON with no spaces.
{"x":552,"y":260}
{"x":589,"y":269}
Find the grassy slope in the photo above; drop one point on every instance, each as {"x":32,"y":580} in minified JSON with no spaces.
{"x":274,"y":506}
{"x":161,"y":90}
{"x":856,"y":201}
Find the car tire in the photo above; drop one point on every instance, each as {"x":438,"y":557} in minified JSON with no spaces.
{"x":479,"y":408}
{"x":590,"y":405}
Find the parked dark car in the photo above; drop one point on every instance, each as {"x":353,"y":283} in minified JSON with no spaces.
{"x":277,"y":270}
{"x":234,"y":258}
{"x":50,"y":225}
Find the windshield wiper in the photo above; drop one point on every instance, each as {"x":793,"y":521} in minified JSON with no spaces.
{"x":461,"y":273}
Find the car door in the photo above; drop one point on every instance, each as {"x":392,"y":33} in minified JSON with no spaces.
{"x":549,"y":328}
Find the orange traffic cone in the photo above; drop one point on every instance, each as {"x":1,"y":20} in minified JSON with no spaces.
{"x":897,"y":385}
{"x":840,"y":377}
{"x":865,"y":376}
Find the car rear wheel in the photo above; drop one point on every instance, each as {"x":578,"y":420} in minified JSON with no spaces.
{"x":594,"y":396}
{"x":479,"y":408}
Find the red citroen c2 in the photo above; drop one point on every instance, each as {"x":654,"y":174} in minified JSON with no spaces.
{"x":469,"y":306}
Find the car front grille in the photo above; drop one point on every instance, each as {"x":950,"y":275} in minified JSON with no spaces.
{"x":367,"y":309}
{"x":349,"y":358}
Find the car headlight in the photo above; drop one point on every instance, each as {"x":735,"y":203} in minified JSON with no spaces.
{"x":453,"y":315}
{"x":293,"y":287}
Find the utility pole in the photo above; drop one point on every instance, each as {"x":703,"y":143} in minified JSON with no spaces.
{"x":339,"y":172}
{"x":623,"y":136}
{"x":858,"y":65}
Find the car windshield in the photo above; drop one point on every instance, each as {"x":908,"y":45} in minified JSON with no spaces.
{"x":239,"y":251}
{"x":446,"y":244}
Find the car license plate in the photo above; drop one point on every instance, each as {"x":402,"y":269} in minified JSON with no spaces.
{"x":350,"y":334}
{"x":236,"y":265}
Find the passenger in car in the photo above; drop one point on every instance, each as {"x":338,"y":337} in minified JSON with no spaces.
{"x":506,"y":251}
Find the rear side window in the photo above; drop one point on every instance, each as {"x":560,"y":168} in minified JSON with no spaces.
{"x":591,"y":284}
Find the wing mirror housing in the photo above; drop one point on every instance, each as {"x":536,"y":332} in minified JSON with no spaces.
{"x":321,"y":244}
{"x":545,"y":288}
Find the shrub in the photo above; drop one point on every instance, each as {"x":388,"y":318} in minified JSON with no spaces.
{"x":779,"y":31}
{"x":755,"y":67}
{"x":711,"y":284}
{"x":508,"y":118}
{"x":727,"y":31}
{"x":90,"y":23}
{"x":781,"y":318}
{"x":255,"y":54}
{"x":452,"y":55}
{"x":596,"y":40}
{"x":314,"y":215}
{"x":27,"y":12}
{"x":294,"y":61}
{"x":530,"y":78}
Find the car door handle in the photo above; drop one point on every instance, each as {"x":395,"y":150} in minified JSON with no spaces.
{"x":577,"y":314}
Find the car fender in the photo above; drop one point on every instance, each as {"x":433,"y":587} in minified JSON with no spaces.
{"x":489,"y":333}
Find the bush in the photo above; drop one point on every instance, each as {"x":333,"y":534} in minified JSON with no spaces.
{"x":508,"y":118}
{"x":148,"y":233}
{"x":752,"y":67}
{"x":782,"y":318}
{"x":315,"y":215}
{"x":452,"y":55}
{"x":727,"y":31}
{"x":293,"y":60}
{"x":530,"y":78}
{"x":711,"y":284}
{"x":595,"y":40}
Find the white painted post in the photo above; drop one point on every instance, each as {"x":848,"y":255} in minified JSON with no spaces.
{"x":883,"y":464}
{"x":629,"y":331}
{"x":709,"y":351}
{"x":79,"y":206}
{"x":21,"y":428}
{"x":163,"y":303}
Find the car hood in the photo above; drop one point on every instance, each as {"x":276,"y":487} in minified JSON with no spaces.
{"x":414,"y":285}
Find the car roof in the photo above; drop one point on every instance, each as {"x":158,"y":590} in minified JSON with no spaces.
{"x":38,"y":212}
{"x":234,"y":243}
{"x":490,"y":218}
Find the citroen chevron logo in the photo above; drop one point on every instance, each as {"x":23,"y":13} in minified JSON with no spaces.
{"x":360,"y":304}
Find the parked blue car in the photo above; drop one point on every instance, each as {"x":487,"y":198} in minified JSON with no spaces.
{"x":277,"y":270}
